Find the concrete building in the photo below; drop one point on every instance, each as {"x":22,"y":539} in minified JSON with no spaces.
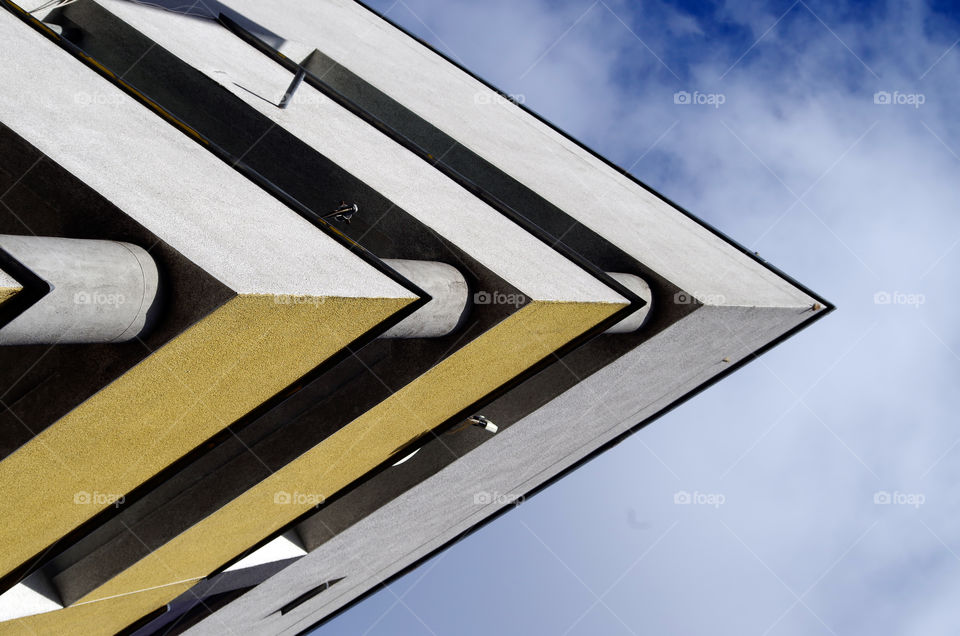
{"x":277,"y":279}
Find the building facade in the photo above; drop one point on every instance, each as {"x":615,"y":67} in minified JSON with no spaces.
{"x":277,"y":279}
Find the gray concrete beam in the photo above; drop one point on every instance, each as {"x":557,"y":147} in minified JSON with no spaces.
{"x":448,"y":290}
{"x":101,"y":291}
{"x":516,"y":460}
{"x":636,"y":320}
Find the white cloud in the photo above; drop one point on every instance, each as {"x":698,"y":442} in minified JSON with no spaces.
{"x":799,"y":119}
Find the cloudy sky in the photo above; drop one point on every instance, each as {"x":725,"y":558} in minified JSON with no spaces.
{"x":779,"y":142}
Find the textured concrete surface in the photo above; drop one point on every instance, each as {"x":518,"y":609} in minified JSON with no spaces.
{"x":164,"y":180}
{"x":542,"y":159}
{"x":633,"y":388}
{"x":639,"y":287}
{"x":525,"y":261}
{"x":475,"y":370}
{"x":101,"y":291}
{"x":211,"y":375}
{"x":574,"y":300}
{"x":747,"y":307}
{"x":303,"y":420}
{"x":291,"y":312}
{"x":449,"y":297}
{"x":43,"y":382}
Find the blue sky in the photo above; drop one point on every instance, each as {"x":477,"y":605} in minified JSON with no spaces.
{"x":855,"y":198}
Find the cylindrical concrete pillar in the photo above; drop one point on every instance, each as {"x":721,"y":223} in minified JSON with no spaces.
{"x":441,"y":315}
{"x":639,"y":287}
{"x":101,"y":291}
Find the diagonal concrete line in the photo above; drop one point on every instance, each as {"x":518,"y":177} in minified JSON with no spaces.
{"x":137,"y":537}
{"x":380,"y":581}
{"x":410,"y":410}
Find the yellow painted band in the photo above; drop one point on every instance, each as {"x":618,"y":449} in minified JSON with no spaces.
{"x":6,"y":293}
{"x":475,"y":370}
{"x":215,"y":372}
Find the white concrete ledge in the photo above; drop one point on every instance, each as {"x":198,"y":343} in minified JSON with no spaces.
{"x":167,"y":182}
{"x":530,"y":151}
{"x":425,"y":193}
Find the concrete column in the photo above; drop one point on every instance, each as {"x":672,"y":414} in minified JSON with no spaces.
{"x":101,"y":291}
{"x":638,"y":286}
{"x":441,"y":315}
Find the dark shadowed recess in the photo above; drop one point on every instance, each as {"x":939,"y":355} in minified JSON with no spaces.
{"x":39,"y":384}
{"x":313,"y":410}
